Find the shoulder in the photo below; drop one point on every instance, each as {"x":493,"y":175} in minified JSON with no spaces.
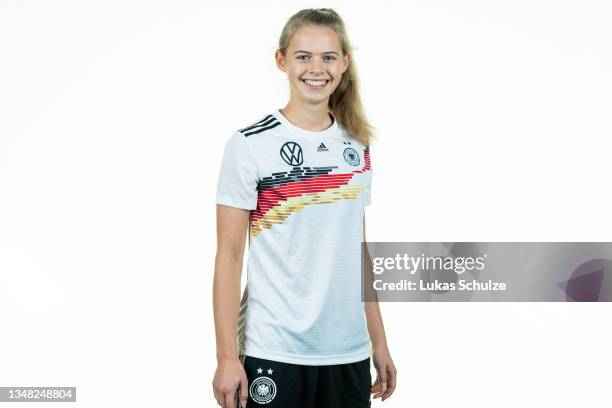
{"x":348,"y":137}
{"x":260,"y":125}
{"x":252,"y":137}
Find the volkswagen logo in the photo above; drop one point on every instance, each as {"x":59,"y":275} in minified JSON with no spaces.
{"x":291,"y":153}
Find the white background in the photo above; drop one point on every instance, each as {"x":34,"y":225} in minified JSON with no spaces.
{"x":493,"y":124}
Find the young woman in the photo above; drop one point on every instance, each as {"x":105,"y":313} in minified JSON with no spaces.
{"x":298,"y":179}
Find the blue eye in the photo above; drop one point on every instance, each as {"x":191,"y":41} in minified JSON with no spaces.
{"x":326,"y":58}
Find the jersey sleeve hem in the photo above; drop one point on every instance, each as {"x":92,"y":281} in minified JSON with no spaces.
{"x":231,"y":202}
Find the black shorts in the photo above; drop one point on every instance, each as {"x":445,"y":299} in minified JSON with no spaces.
{"x":274,"y":384}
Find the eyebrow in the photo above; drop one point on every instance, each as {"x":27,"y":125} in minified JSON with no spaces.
{"x":306,"y":52}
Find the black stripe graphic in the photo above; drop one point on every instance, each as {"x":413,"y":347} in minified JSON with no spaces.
{"x":262,"y":129}
{"x":266,"y":123}
{"x":296,"y":174}
{"x":255,"y":124}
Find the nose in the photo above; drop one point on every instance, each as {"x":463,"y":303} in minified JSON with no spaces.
{"x":316,"y":64}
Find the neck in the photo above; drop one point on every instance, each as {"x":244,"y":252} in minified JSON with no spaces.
{"x":310,"y":117}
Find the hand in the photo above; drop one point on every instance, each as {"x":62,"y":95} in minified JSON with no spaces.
{"x":386,"y":373}
{"x":230,"y":376}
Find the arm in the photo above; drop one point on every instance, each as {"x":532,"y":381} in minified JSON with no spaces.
{"x":232,"y":224}
{"x":386,"y":380}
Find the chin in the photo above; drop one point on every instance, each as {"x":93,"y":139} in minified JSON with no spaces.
{"x":314,"y":100}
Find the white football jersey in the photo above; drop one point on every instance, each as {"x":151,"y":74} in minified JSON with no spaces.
{"x":307,"y":192}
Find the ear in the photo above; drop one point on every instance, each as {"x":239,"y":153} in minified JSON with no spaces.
{"x":346,"y":60}
{"x":280,"y":60}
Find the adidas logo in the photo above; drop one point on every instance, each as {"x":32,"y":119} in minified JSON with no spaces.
{"x":322,"y":148}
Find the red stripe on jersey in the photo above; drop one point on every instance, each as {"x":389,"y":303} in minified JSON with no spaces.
{"x":271,"y":197}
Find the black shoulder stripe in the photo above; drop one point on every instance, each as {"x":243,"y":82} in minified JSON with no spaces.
{"x":255,"y":124}
{"x":266,"y":123}
{"x":263,"y":129}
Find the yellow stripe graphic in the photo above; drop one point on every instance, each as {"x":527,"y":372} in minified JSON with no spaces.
{"x":278,"y":213}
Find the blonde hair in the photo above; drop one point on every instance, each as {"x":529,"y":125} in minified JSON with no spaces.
{"x":344,"y":102}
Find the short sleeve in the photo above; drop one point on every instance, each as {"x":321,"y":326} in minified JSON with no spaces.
{"x":238,"y":177}
{"x":368,"y":189}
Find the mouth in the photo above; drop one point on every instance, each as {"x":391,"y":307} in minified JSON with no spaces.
{"x":316,"y":83}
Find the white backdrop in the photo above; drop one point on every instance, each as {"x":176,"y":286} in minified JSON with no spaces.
{"x":493,"y":124}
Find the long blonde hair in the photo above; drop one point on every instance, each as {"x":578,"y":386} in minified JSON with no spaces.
{"x":344,"y":102}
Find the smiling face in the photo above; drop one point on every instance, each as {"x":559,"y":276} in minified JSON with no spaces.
{"x":314,"y":63}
